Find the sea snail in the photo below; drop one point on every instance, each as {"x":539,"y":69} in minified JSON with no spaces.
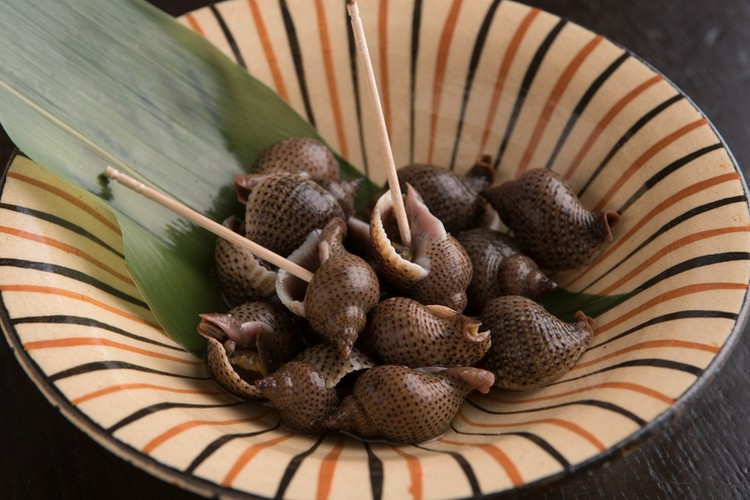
{"x":298,"y":154}
{"x":250,"y":341}
{"x":305,"y":390}
{"x":282,"y":209}
{"x":531,"y":347}
{"x":435,"y":269}
{"x":499,"y":268}
{"x":242,"y":276}
{"x":343,"y":289}
{"x":404,"y":405}
{"x":452,"y":198}
{"x":548,"y":220}
{"x":404,"y":332}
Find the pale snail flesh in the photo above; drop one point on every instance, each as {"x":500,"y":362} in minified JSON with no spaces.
{"x":434,"y":269}
{"x":305,"y":390}
{"x":405,"y":405}
{"x":404,"y":332}
{"x":530,"y":347}
{"x":499,"y":268}
{"x":250,"y":341}
{"x":548,"y":220}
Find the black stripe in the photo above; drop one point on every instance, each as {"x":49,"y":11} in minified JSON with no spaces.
{"x":476,"y":53}
{"x":62,"y":223}
{"x":586,"y":402}
{"x":114,"y":365}
{"x":689,"y":314}
{"x":72,"y":274}
{"x":664,"y":172}
{"x":416,"y":22}
{"x":627,"y":136}
{"x":221,"y":441}
{"x":580,"y":107}
{"x":465,"y":467}
{"x":294,"y":466}
{"x":693,"y":212}
{"x":80,"y":320}
{"x":667,"y":364}
{"x":694,"y":263}
{"x":228,"y":35}
{"x":150,"y":410}
{"x":375,"y":466}
{"x":542,"y":443}
{"x":528,"y":79}
{"x":354,"y":68}
{"x":296,"y":53}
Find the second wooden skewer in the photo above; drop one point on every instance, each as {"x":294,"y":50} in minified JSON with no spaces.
{"x":223,"y":232}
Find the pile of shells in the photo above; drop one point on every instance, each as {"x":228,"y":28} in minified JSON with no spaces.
{"x":387,"y":339}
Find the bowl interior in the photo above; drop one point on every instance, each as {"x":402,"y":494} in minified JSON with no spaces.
{"x":497,"y":78}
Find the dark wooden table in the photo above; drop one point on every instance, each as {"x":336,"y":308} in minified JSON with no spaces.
{"x":704,"y":48}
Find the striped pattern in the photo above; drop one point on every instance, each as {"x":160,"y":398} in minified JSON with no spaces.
{"x":470,"y":78}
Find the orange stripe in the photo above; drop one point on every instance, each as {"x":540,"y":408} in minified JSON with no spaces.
{"x":628,"y":386}
{"x":249,"y":454}
{"x":385,"y":87}
{"x":669,"y":248}
{"x":574,"y":428}
{"x":66,"y":248}
{"x":180,"y":428}
{"x":93,"y":341}
{"x":128,"y":387}
{"x":651,"y":344}
{"x":415,"y":473}
{"x":440,"y":67}
{"x":680,"y":195}
{"x":325,"y":43}
{"x":328,"y":469}
{"x":500,"y":457}
{"x":502,"y":74}
{"x":607,"y":119}
{"x":672,"y":294}
{"x":553,"y":99}
{"x":194,"y":24}
{"x":76,"y":296}
{"x":265,"y":42}
{"x":89,"y":209}
{"x":647,"y":155}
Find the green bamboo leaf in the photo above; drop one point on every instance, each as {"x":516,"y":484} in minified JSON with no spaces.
{"x":564,"y":303}
{"x":90,"y":83}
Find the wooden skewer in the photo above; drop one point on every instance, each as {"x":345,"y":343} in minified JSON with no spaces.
{"x":206,"y":223}
{"x":385,"y":144}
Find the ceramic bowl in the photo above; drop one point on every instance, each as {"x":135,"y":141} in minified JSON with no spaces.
{"x":498,"y":78}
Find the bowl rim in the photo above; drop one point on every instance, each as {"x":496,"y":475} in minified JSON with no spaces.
{"x":205,"y":487}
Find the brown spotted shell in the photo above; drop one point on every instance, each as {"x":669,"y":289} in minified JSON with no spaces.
{"x":449,"y":197}
{"x":282,"y":209}
{"x":404,"y":332}
{"x":342,"y":291}
{"x":499,"y":268}
{"x":435,"y":269}
{"x":404,"y":405}
{"x":242,"y":277}
{"x":548,"y":220}
{"x":304,"y":391}
{"x":249,"y":342}
{"x":298,"y":154}
{"x":531,"y":347}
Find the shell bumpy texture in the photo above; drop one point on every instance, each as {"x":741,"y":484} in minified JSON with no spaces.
{"x":549,"y":222}
{"x":530,"y":347}
{"x":298,"y":154}
{"x":283,"y":209}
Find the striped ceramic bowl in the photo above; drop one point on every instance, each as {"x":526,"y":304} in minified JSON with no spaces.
{"x":500,"y":78}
